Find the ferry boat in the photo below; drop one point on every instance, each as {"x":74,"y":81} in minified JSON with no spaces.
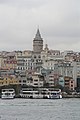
{"x":30,"y":94}
{"x":8,"y":93}
{"x":55,"y":95}
{"x":39,"y":94}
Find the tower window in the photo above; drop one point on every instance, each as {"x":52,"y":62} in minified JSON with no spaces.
{"x":39,"y":56}
{"x":34,"y":56}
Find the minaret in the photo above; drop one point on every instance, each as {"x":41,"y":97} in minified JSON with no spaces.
{"x":37,"y":43}
{"x":46,"y":48}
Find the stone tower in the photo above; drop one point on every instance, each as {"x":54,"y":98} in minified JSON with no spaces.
{"x":37,"y":43}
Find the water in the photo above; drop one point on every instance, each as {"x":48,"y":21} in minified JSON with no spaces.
{"x":40,"y":109}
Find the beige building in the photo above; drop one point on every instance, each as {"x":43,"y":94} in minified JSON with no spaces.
{"x":38,"y":80}
{"x":69,"y":83}
{"x":9,"y":61}
{"x":8,"y":80}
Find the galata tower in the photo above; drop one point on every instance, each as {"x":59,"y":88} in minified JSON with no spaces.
{"x":37,"y":43}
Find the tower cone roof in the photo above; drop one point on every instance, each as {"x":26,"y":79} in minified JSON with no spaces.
{"x":38,"y":35}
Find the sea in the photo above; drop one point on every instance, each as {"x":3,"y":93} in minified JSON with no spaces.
{"x":40,"y":109}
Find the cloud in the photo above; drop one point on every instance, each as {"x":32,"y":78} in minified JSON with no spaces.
{"x":59,"y":22}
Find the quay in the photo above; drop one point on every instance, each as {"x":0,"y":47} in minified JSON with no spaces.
{"x":71,"y":96}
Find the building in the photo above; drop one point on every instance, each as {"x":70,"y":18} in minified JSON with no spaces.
{"x":24,"y":61}
{"x":61,"y":81}
{"x":76,"y":72}
{"x":22,"y":78}
{"x":31,"y":79}
{"x":38,"y":80}
{"x":4,"y":72}
{"x":50,"y":57}
{"x":69,"y":83}
{"x":9,"y":61}
{"x":64,"y":69}
{"x":8,"y":80}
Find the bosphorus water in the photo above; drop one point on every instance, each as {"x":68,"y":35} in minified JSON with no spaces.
{"x":40,"y":109}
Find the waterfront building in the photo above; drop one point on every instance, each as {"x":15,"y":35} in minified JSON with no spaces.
{"x":51,"y":80}
{"x":68,"y":73}
{"x":31,"y":79}
{"x":69,"y":83}
{"x":22,"y":77}
{"x":61,"y":81}
{"x":76,"y":72}
{"x":8,"y":80}
{"x":38,"y":80}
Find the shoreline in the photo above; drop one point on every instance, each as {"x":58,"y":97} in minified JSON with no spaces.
{"x":70,"y":96}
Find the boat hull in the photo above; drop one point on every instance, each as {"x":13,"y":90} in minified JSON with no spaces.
{"x":55,"y":97}
{"x":7,"y":97}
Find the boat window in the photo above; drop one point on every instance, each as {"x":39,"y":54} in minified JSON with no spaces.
{"x":53,"y":93}
{"x":3,"y":90}
{"x":7,"y":93}
{"x":11,"y":90}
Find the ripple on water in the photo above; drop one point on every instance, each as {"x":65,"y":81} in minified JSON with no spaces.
{"x":40,"y":109}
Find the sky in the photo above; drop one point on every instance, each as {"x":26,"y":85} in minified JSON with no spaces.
{"x":58,"y":22}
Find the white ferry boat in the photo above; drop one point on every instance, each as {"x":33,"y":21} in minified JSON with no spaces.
{"x":55,"y":95}
{"x":45,"y":94}
{"x":30,"y":94}
{"x":8,"y":93}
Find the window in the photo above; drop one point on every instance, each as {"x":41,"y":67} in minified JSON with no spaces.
{"x":24,"y":81}
{"x":66,"y":83}
{"x":34,"y":56}
{"x":35,"y":80}
{"x":39,"y":56}
{"x":43,"y":56}
{"x":35,"y":84}
{"x":71,"y":81}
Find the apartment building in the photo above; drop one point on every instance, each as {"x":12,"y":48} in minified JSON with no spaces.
{"x":64,"y":69}
{"x":38,"y":80}
{"x":69,"y":83}
{"x":50,"y":57}
{"x":24,"y":60}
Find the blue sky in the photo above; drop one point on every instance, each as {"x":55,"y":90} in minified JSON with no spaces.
{"x":58,"y":21}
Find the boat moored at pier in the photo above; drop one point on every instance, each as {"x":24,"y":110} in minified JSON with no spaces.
{"x":55,"y":95}
{"x":30,"y":94}
{"x":39,"y":94}
{"x":8,"y":93}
